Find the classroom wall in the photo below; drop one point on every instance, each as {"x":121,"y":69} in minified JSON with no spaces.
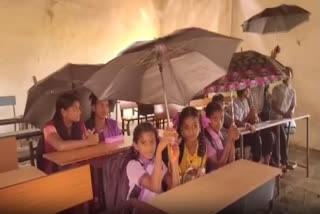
{"x":300,"y":49}
{"x":39,"y":36}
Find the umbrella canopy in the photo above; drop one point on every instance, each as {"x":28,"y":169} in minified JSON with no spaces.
{"x":248,"y":69}
{"x":277,"y":19}
{"x":180,"y":64}
{"x":42,"y":96}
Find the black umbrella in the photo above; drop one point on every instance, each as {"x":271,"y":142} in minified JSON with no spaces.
{"x":42,"y":96}
{"x":277,"y":19}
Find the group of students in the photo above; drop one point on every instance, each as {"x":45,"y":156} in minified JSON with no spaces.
{"x":201,"y":141}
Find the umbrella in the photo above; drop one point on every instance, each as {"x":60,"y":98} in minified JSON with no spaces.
{"x":171,"y":69}
{"x":42,"y":96}
{"x":248,"y":69}
{"x":277,"y":19}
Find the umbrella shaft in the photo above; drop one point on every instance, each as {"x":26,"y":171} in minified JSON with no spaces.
{"x":164,"y":93}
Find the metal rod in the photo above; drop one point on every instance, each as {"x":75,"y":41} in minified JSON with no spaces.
{"x":241,"y":147}
{"x":164,"y":93}
{"x":307,"y":125}
{"x":278,"y":145}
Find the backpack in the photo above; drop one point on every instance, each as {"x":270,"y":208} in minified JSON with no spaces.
{"x":116,"y":182}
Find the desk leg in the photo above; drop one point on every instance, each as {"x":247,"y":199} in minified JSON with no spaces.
{"x":241,"y":147}
{"x":278,"y":145}
{"x":307,"y":141}
{"x":31,"y":153}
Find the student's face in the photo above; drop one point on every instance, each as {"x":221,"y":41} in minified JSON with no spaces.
{"x":101,"y":109}
{"x":190,"y":129}
{"x":216,"y":120}
{"x":146,"y":145}
{"x":72,"y":113}
{"x":246,"y":93}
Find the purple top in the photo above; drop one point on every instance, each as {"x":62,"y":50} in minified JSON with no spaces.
{"x":135,"y":170}
{"x":215,"y":143}
{"x":111,"y":129}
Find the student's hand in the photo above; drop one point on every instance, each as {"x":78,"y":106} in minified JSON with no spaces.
{"x":233,"y":132}
{"x":170,"y":137}
{"x":173,"y":152}
{"x":250,"y":127}
{"x":200,"y":172}
{"x":92,"y":138}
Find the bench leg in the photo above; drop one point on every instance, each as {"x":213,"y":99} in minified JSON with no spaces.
{"x":128,"y":128}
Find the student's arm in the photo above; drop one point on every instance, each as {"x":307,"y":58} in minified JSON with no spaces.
{"x":59,"y":144}
{"x":233,"y":134}
{"x":276,"y":109}
{"x":173,"y":177}
{"x":153,"y":182}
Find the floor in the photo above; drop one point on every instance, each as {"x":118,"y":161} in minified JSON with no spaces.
{"x":299,"y":194}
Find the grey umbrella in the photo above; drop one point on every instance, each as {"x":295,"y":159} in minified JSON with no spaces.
{"x":171,"y":69}
{"x":42,"y":96}
{"x":277,"y":19}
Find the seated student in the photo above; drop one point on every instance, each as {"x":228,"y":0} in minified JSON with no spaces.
{"x":245,"y":116}
{"x":192,"y":146}
{"x":146,"y":171}
{"x":261,"y":101}
{"x":99,"y":121}
{"x":65,"y":131}
{"x":219,"y":98}
{"x":221,"y":155}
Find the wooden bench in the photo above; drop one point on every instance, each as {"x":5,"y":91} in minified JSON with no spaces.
{"x":49,"y":194}
{"x":125,"y":120}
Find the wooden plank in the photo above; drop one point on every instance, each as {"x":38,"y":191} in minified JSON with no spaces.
{"x":8,"y":154}
{"x":78,"y":155}
{"x":19,"y":175}
{"x":49,"y":194}
{"x":215,"y":191}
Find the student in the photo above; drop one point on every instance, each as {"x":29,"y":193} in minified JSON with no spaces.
{"x":283,"y":106}
{"x":65,"y":131}
{"x":221,"y":155}
{"x":193,"y":148}
{"x":99,"y":121}
{"x":261,"y":102}
{"x":146,"y":171}
{"x":245,"y":116}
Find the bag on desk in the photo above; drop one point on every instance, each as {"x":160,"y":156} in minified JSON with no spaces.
{"x":115,"y":139}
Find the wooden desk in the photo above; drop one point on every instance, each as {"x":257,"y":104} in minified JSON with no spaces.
{"x":217,"y":190}
{"x":90,"y":152}
{"x":273,"y":123}
{"x":19,"y":175}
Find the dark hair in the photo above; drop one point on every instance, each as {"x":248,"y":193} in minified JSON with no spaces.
{"x":192,"y":112}
{"x":94,"y":101}
{"x":213,"y":107}
{"x":65,"y":101}
{"x":138,"y":131}
{"x":240,"y":92}
{"x":218,"y":98}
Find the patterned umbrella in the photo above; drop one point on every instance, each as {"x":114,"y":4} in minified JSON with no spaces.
{"x":246,"y":70}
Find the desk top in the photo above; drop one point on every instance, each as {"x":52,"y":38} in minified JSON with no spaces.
{"x":78,"y":155}
{"x":271,"y":123}
{"x":19,"y":175}
{"x":215,"y":191}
